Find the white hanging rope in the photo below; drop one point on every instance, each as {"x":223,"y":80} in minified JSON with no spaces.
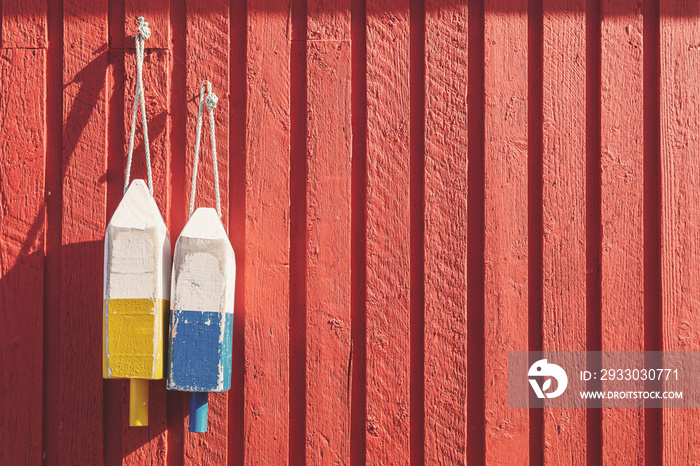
{"x":211,"y":102}
{"x":142,"y":33}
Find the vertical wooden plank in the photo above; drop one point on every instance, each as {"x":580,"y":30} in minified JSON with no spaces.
{"x":84,"y":220}
{"x":328,"y":225}
{"x":388,"y":232}
{"x":564,"y":208}
{"x":22,"y":214}
{"x":266,"y":411}
{"x":622,"y":203}
{"x":149,"y":444}
{"x":506,"y":221}
{"x":208,"y":59}
{"x":680,"y":217}
{"x":445,"y":249}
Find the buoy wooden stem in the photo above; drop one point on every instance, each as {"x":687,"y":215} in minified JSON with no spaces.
{"x":199,"y":405}
{"x":138,"y":402}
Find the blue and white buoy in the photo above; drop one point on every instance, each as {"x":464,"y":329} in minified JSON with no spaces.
{"x":201,"y":321}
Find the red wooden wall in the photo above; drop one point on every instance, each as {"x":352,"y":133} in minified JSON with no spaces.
{"x":413,"y":189}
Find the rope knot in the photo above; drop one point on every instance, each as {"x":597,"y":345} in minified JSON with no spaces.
{"x":143,"y":28}
{"x":211,"y":100}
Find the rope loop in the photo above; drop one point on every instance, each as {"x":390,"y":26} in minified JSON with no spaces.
{"x":211,"y":101}
{"x":143,"y":32}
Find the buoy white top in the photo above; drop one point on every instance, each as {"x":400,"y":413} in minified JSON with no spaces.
{"x":135,"y":240}
{"x":204,"y":267}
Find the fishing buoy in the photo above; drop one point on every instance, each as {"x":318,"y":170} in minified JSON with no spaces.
{"x":202,"y":291}
{"x":136,"y":274}
{"x":136,"y":292}
{"x":201,"y":323}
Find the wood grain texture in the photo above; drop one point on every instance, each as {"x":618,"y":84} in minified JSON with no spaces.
{"x":149,"y":443}
{"x":445,"y":248}
{"x":266,"y":410}
{"x":207,"y":59}
{"x":24,"y":24}
{"x":328,"y":226}
{"x":622,"y":204}
{"x":388,"y":232}
{"x":563,"y":210}
{"x":22,"y":213}
{"x":69,"y":195}
{"x":680,"y":218}
{"x":84,"y":221}
{"x":505,"y":223}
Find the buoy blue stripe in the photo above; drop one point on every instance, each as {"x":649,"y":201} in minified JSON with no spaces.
{"x":200,"y":351}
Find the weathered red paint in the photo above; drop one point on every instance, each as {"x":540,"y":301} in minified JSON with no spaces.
{"x":327,"y":231}
{"x":445,"y":244}
{"x":24,"y":24}
{"x":387,"y":267}
{"x":563,"y":210}
{"x":505,"y":223}
{"x":307,"y":171}
{"x":621,"y":205}
{"x":23,"y":148}
{"x":84,"y":218}
{"x":266,"y":409}
{"x":680,"y":217}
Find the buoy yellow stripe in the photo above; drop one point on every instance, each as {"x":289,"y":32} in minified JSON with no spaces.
{"x":133,"y":338}
{"x":133,"y":306}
